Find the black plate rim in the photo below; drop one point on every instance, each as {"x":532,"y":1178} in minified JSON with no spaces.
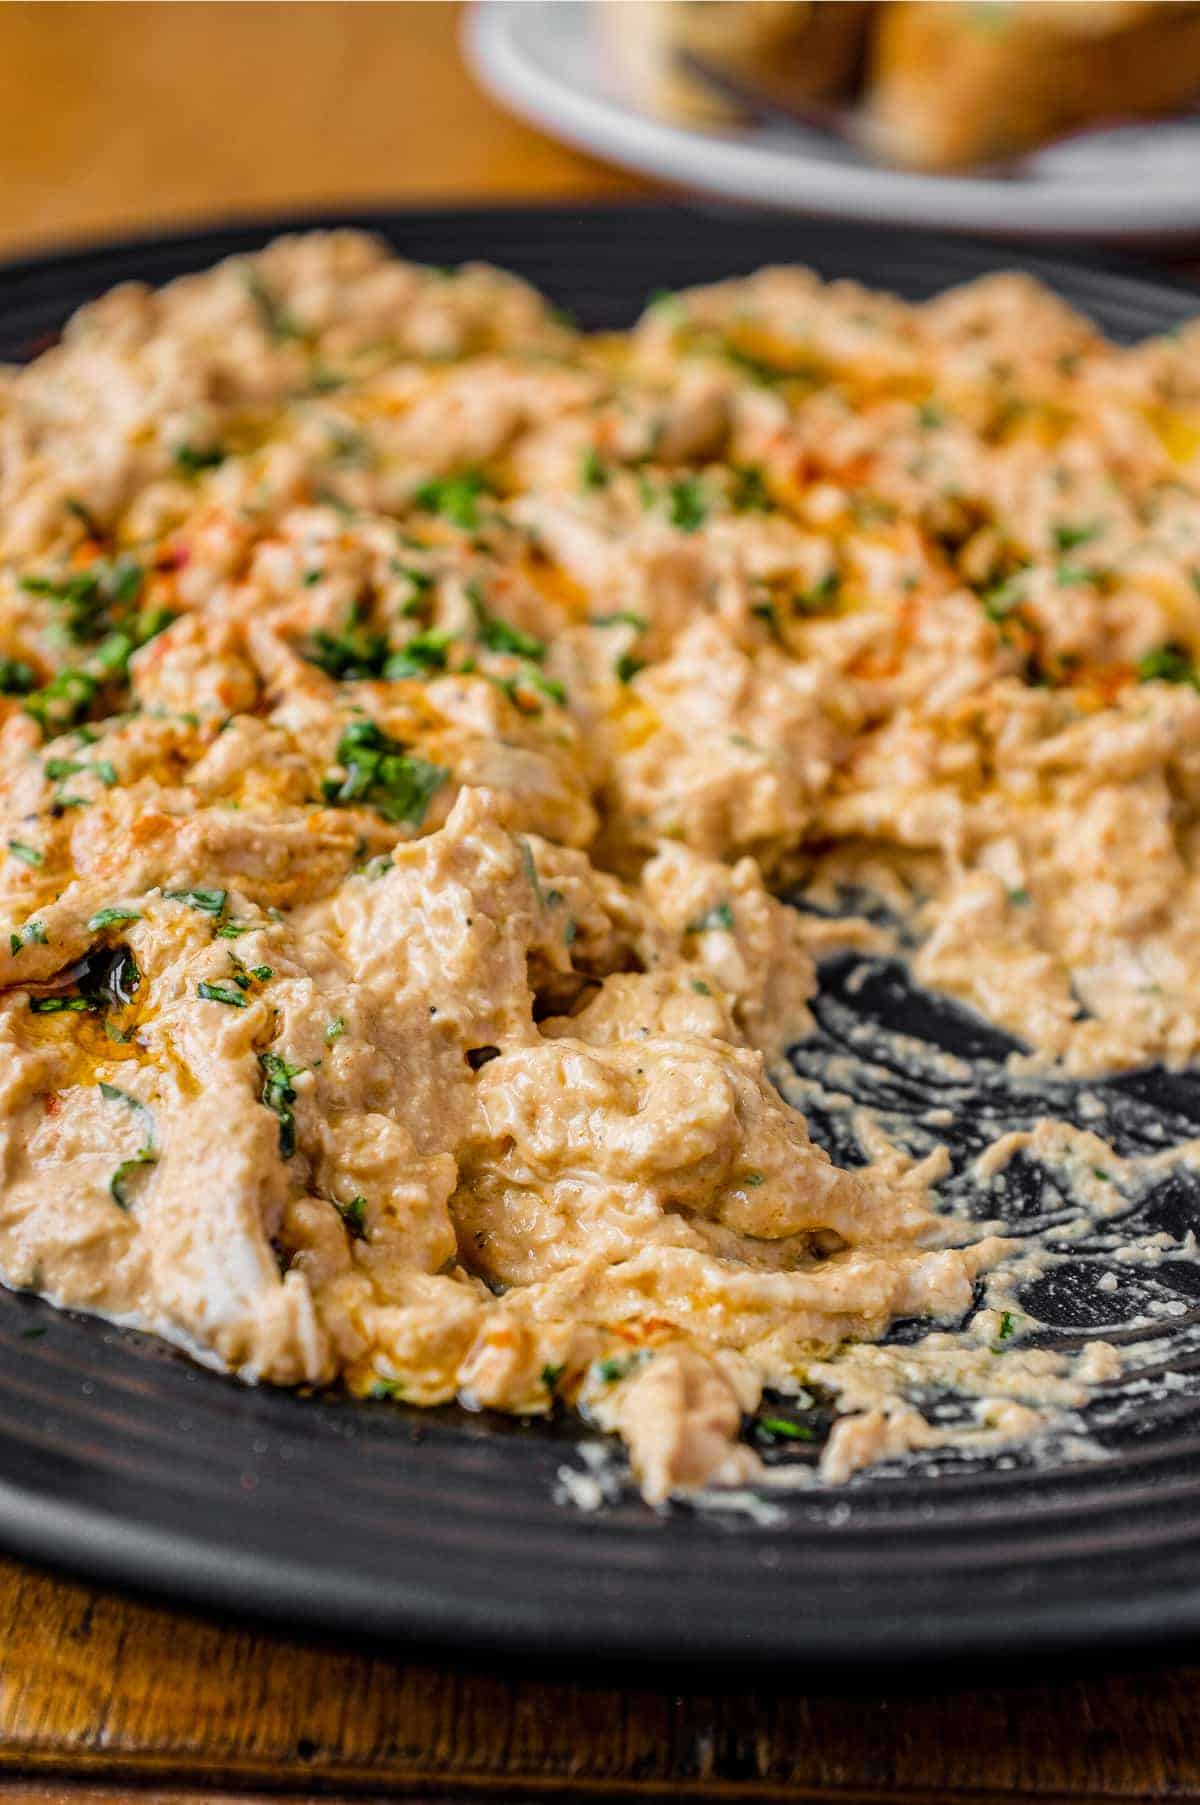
{"x":97,"y":1542}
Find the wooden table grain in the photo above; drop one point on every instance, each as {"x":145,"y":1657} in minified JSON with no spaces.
{"x":114,"y":117}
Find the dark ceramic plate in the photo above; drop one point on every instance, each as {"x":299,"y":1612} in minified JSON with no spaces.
{"x":125,"y":1462}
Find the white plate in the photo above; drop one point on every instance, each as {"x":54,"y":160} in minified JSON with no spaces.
{"x":543,"y":59}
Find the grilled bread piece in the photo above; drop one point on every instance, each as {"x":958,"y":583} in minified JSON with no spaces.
{"x":955,"y":84}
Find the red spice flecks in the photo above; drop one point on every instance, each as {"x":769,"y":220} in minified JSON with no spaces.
{"x":52,"y":1103}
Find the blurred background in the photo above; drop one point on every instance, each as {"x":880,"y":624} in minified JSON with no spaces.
{"x":1060,"y":120}
{"x":118,"y":115}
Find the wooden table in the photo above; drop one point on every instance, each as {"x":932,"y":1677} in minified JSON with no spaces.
{"x":118,"y":116}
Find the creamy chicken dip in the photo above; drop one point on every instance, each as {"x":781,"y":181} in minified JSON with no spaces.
{"x":413,"y":713}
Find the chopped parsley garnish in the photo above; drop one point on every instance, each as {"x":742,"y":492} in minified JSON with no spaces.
{"x":353,"y":1214}
{"x":1020,"y":898}
{"x":1068,"y":575}
{"x":233,"y":930}
{"x":700,"y":987}
{"x":1000,"y":600}
{"x":16,"y":677}
{"x":118,"y":1184}
{"x":1069,"y":538}
{"x":617,"y":1366}
{"x":387,"y":1388}
{"x":335,"y":1029}
{"x":64,"y":701}
{"x":498,"y":635}
{"x":94,"y":601}
{"x":206,"y":902}
{"x":593,"y":473}
{"x":354,"y":653}
{"x":750,"y":493}
{"x":58,"y":769}
{"x":930,"y":416}
{"x":420,"y":655}
{"x":782,"y":1428}
{"x":527,"y":678}
{"x":627,"y":666}
{"x":719,"y":916}
{"x":191,"y":460}
{"x":819,"y":595}
{"x":379,"y":771}
{"x":687,"y":507}
{"x":28,"y":855}
{"x":455,"y":498}
{"x":1168,"y":664}
{"x":57,"y":1005}
{"x":220,"y":993}
{"x":420,"y":582}
{"x":1007,"y":1326}
{"x":33,"y":933}
{"x":551,"y":1375}
{"x":621,"y":617}
{"x":83,"y":514}
{"x":276,"y":321}
{"x":279,"y":1094}
{"x":753,"y":1179}
{"x":531,"y":873}
{"x":145,"y":1156}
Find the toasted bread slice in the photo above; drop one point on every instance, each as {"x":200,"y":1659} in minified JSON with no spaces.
{"x":954,"y":84}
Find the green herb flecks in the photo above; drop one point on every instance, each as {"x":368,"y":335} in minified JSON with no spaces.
{"x":16,"y":677}
{"x":621,"y":617}
{"x":782,"y":1428}
{"x":380,"y":771}
{"x":28,"y":855}
{"x":1005,"y":1332}
{"x":1068,"y":538}
{"x":616,"y":1367}
{"x":353,"y":655}
{"x":749,"y":493}
{"x":687,"y":506}
{"x":335,"y":1029}
{"x":193,"y":460}
{"x":819,"y":596}
{"x":420,"y":656}
{"x":593,"y":472}
{"x":205,"y":902}
{"x":354,"y":1215}
{"x":455,"y":498}
{"x":209,"y":992}
{"x":146,"y":1155}
{"x":278,"y":1094}
{"x":1168,"y":664}
{"x":531,"y":873}
{"x":719,"y":916}
{"x":499,"y":635}
{"x":32,"y":934}
{"x":273,"y":316}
